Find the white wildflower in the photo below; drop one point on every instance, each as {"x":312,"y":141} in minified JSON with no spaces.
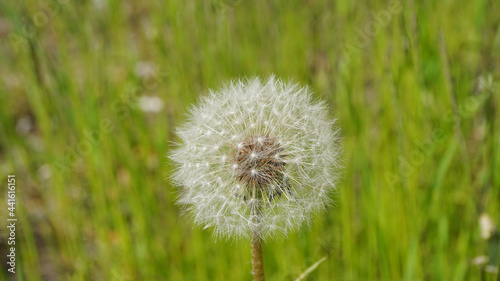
{"x":256,"y":157}
{"x":24,"y":125}
{"x":150,"y":104}
{"x":480,"y":260}
{"x":145,"y":68}
{"x":45,"y":172}
{"x":487,"y":226}
{"x":491,"y":269}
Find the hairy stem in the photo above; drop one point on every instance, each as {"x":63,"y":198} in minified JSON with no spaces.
{"x":257,"y":258}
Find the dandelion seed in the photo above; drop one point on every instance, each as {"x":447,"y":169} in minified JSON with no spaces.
{"x":282,"y":159}
{"x":291,"y":136}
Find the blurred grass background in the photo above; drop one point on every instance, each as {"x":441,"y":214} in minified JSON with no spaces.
{"x":90,"y":93}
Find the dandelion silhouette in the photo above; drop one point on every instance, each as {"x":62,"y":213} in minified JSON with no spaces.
{"x":256,"y":159}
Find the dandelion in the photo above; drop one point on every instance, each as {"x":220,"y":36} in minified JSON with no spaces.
{"x":487,"y":226}
{"x":151,"y":104}
{"x":256,"y":159}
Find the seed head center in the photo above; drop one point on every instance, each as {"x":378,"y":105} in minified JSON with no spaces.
{"x":257,"y":162}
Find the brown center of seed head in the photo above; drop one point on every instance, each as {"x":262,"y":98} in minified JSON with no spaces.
{"x":257,"y":162}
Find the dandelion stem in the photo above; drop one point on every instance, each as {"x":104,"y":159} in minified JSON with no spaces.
{"x":257,"y":255}
{"x":257,"y":258}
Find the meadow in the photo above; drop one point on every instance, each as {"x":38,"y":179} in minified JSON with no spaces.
{"x":91,"y":93}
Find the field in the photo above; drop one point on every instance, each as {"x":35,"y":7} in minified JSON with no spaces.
{"x":91,"y":93}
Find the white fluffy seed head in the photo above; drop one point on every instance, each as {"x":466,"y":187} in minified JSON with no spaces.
{"x":281,"y":154}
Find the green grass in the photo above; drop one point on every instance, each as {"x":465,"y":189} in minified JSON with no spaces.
{"x":422,"y":147}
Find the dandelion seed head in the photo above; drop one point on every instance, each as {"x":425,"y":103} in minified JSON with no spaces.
{"x":274,"y":148}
